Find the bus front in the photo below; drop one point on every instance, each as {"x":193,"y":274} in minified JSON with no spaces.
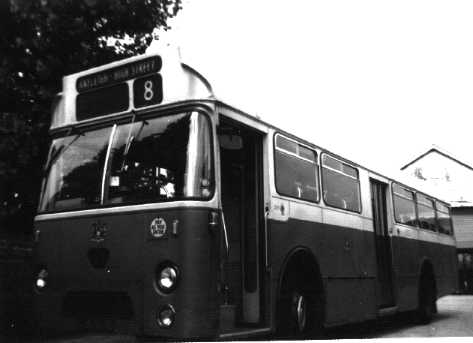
{"x":123,"y":237}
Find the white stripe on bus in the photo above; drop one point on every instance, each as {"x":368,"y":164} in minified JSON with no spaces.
{"x":301,"y":210}
{"x":211,"y":204}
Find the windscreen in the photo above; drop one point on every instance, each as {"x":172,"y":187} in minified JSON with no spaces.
{"x":142,"y":161}
{"x":74,"y":171}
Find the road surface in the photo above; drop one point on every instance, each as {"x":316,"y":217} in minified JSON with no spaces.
{"x":455,"y":319}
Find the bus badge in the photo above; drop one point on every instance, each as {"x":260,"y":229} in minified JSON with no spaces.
{"x":99,"y":232}
{"x":158,"y":227}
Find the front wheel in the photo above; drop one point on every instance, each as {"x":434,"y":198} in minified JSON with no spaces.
{"x":299,"y":311}
{"x":298,"y":306}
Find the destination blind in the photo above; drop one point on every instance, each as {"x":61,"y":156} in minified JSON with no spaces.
{"x":106,"y":92}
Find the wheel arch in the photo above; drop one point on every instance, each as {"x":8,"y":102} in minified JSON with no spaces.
{"x":426,"y":291}
{"x":304,"y":255}
{"x":426,"y":269}
{"x":426,"y":266}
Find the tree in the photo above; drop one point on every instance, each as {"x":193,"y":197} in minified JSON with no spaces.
{"x":40,"y":41}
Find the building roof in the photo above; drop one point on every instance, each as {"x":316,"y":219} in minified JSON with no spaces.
{"x":461,"y":204}
{"x":440,"y":151}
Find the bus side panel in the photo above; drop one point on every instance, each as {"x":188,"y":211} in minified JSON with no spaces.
{"x":406,"y":266}
{"x":443,"y":258}
{"x":409,"y":253}
{"x":346,"y":260}
{"x":451,"y":280}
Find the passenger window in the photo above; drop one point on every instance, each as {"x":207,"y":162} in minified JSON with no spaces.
{"x":443,"y":218}
{"x":296,"y":170}
{"x":404,"y":206}
{"x":426,"y":213}
{"x":341,"y":184}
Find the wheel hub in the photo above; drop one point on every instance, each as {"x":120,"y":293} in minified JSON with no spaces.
{"x":300,"y":305}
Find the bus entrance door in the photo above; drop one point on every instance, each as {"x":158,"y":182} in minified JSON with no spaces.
{"x":385,"y":294}
{"x":241,"y":185}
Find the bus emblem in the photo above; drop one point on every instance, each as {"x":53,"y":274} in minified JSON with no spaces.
{"x":99,"y":232}
{"x":158,"y":227}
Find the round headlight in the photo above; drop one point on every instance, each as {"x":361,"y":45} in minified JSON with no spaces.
{"x":166,"y":316}
{"x":41,"y":280}
{"x":167,"y":278}
{"x":40,"y":283}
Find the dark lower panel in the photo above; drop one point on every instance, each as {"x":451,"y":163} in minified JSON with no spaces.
{"x":125,"y":283}
{"x":408,"y":258}
{"x":347,"y":261}
{"x":350,"y":300}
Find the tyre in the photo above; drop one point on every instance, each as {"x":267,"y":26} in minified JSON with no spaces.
{"x":427,"y":306}
{"x":298,"y":307}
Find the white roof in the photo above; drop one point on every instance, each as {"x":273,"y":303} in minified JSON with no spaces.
{"x":179,"y":82}
{"x":435,"y":148}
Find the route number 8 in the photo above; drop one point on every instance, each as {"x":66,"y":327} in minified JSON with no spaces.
{"x":148,"y":90}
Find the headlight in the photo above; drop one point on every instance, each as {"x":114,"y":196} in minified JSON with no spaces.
{"x":41,"y":280}
{"x":167,"y":278}
{"x":166,"y":316}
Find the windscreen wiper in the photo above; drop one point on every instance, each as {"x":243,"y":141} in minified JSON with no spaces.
{"x":128,"y":143}
{"x":130,"y":140}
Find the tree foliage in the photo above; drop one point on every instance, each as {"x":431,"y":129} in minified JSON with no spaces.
{"x":41,"y":41}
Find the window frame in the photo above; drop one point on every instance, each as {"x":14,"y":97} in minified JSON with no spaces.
{"x":126,"y":119}
{"x":451,"y":232}
{"x":417,"y":194}
{"x":290,"y":153}
{"x":414,"y":200}
{"x":340,"y":172}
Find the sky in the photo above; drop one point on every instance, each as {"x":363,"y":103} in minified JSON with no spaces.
{"x":377,"y":82}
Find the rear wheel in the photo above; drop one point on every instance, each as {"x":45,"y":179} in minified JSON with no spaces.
{"x":427,"y":300}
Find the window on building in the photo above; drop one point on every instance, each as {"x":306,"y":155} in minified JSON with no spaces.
{"x":296,"y":170}
{"x":341,"y":184}
{"x":443,"y":218}
{"x":404,"y":206}
{"x":426,"y":213}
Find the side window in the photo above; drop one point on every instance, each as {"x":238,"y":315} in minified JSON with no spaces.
{"x":404,"y":206}
{"x":443,"y":218}
{"x":296,"y":170}
{"x":426,"y":213}
{"x":341,"y":184}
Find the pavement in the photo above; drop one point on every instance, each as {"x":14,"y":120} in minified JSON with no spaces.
{"x":454,"y":319}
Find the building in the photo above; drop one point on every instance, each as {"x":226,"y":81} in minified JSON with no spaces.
{"x":439,"y":173}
